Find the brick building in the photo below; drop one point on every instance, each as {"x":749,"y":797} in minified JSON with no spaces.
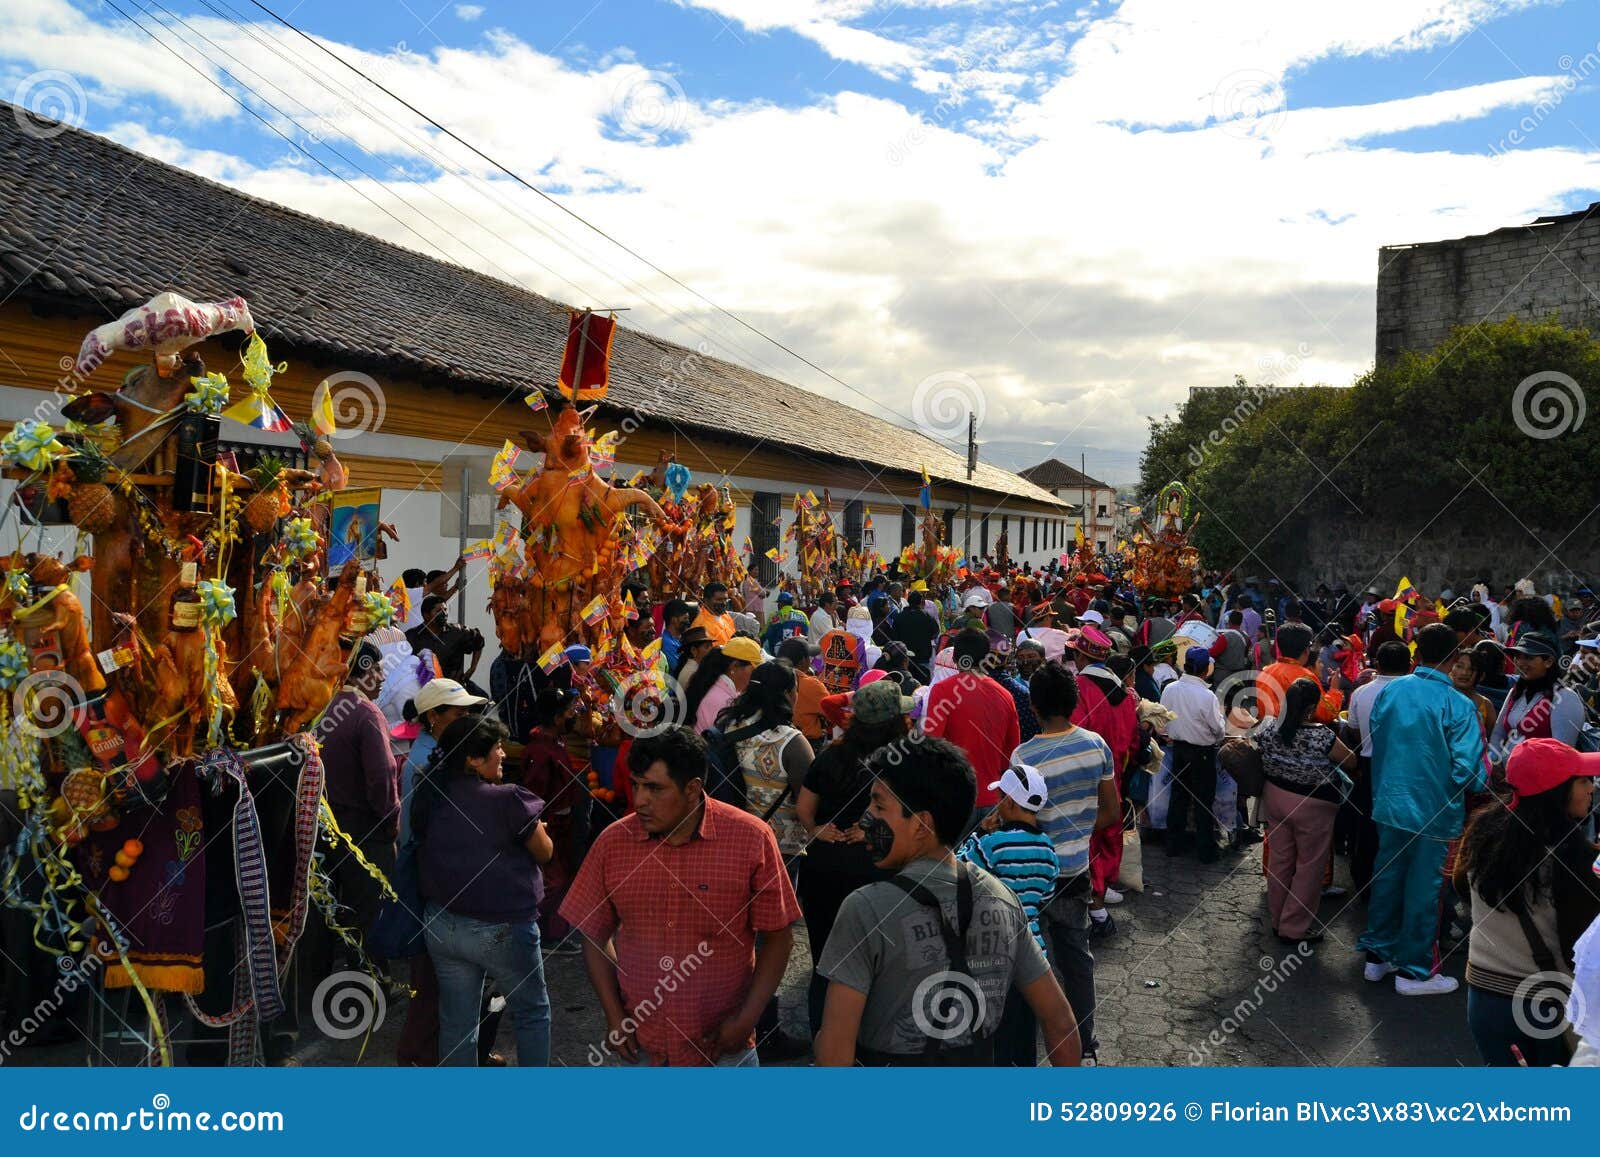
{"x":1548,"y":266}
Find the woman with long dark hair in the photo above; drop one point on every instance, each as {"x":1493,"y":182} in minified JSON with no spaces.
{"x":773,"y":755}
{"x":1527,"y":867}
{"x":480,"y":843}
{"x":1539,"y":705}
{"x":712,"y":667}
{"x":835,"y":795}
{"x":1302,"y":800}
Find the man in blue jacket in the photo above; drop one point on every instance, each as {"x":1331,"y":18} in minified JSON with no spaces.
{"x":1427,"y":754}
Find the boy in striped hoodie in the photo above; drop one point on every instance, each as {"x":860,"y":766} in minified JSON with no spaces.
{"x":1009,"y":845}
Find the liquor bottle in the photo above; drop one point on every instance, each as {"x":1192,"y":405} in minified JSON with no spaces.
{"x":186,"y":602}
{"x":198,"y":435}
{"x":355,"y":619}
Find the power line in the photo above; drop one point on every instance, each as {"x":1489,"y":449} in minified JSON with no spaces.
{"x":635,"y":254}
{"x":481,"y":185}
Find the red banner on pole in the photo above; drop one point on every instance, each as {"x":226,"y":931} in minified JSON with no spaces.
{"x":586,"y":364}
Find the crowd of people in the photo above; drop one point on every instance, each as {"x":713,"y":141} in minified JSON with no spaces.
{"x":940,"y":785}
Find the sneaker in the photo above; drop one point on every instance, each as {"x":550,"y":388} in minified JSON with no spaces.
{"x":1376,"y":971}
{"x":1433,"y":986}
{"x":1335,"y":890}
{"x":1100,"y":929}
{"x":1113,"y":896}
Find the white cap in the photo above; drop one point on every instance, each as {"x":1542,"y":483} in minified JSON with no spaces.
{"x":444,"y":693}
{"x":976,"y":597}
{"x":1024,"y":786}
{"x":1094,"y":617}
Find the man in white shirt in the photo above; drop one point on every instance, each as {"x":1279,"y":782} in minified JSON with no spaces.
{"x":822,"y":620}
{"x":1392,"y":660}
{"x":1196,"y":734}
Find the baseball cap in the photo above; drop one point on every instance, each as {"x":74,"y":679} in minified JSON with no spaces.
{"x":786,"y":598}
{"x":1024,"y":786}
{"x":744,"y":649}
{"x":444,"y":693}
{"x":578,"y":653}
{"x":1538,"y":765}
{"x":1536,"y":643}
{"x":1092,"y":616}
{"x":1196,"y":660}
{"x":879,"y":702}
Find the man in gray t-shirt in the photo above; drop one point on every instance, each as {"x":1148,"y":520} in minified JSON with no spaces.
{"x":897,"y":994}
{"x":888,"y":945}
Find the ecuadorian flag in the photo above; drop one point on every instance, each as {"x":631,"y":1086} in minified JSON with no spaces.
{"x":259,"y":410}
{"x":1405,"y":597}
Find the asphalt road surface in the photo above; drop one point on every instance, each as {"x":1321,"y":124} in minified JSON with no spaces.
{"x":1192,"y":975}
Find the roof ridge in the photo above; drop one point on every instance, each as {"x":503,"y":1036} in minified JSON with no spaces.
{"x":100,"y":140}
{"x":510,"y":297}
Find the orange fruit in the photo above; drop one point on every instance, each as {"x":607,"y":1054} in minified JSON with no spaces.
{"x":118,"y":873}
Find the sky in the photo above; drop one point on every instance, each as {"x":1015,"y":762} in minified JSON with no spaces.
{"x":1059,"y":216}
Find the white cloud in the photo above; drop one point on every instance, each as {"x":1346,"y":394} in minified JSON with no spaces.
{"x":469,"y":12}
{"x":1085,"y":267}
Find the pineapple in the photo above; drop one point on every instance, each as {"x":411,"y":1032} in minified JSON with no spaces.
{"x":92,"y":505}
{"x":265,"y":507}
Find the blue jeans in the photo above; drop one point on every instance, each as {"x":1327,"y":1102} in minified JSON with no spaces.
{"x":463,"y":951}
{"x":1490,"y":1016}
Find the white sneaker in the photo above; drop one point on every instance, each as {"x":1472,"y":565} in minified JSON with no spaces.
{"x":1113,"y":896}
{"x":1376,"y":972}
{"x":1433,"y":986}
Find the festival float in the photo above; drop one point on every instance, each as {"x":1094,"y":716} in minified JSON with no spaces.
{"x":1166,"y":563}
{"x":221,"y":626}
{"x":929,"y":559}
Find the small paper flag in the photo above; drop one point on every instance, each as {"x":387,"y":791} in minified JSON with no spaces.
{"x":537,"y":401}
{"x":478,"y":551}
{"x":503,"y":470}
{"x":594,"y":610}
{"x":551,"y":658}
{"x":400,"y":599}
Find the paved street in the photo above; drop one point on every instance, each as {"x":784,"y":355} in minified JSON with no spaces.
{"x":1192,"y":956}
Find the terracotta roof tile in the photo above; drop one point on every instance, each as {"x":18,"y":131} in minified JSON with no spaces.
{"x":84,"y":220}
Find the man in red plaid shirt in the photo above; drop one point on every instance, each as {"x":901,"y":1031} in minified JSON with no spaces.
{"x":670,"y":901}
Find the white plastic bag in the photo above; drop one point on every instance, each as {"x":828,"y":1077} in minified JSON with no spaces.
{"x":1130,"y":878}
{"x":1160,"y":792}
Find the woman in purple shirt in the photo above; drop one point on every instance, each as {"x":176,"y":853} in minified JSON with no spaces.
{"x":480,"y":843}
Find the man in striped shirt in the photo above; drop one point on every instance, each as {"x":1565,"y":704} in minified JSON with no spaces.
{"x":1010,"y":846}
{"x":1079,"y":778}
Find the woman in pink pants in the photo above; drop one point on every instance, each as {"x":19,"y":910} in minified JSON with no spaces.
{"x":1302,"y":799}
